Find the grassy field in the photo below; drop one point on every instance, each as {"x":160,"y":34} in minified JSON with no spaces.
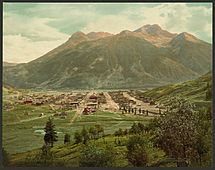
{"x":23,"y":132}
{"x":68,"y":154}
{"x":194,"y":90}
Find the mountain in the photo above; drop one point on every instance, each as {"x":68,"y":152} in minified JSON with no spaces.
{"x":131,"y":59}
{"x":192,"y":52}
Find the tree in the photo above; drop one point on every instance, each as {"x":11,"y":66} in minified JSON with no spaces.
{"x":43,"y":157}
{"x":47,"y":156}
{"x":66,"y":138}
{"x":50,"y":133}
{"x":125,"y":132}
{"x":178,"y":130}
{"x":204,"y":139}
{"x":77,"y":137}
{"x":93,"y":155}
{"x":137,"y":154}
{"x":119,"y":132}
{"x":5,"y":156}
{"x":141,"y":127}
{"x":100,"y":129}
{"x":93,"y":132}
{"x":208,"y":92}
{"x":129,"y":109}
{"x":85,"y":135}
{"x":139,"y":110}
{"x":134,"y":129}
{"x":152,"y":125}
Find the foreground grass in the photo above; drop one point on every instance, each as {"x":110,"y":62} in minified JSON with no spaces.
{"x":67,"y":155}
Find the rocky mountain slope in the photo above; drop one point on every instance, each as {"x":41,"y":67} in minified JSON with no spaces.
{"x":131,"y":59}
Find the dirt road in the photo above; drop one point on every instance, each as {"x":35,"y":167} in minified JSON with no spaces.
{"x":111,"y":105}
{"x":141,"y":104}
{"x":81,"y":107}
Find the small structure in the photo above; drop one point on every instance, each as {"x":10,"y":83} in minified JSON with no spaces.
{"x":86,"y":111}
{"x":39,"y":103}
{"x":92,"y":105}
{"x":93,"y":97}
{"x":28,"y":102}
{"x":152,"y":102}
{"x":75,"y":104}
{"x":41,"y":114}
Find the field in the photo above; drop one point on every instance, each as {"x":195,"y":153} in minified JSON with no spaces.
{"x":23,"y":127}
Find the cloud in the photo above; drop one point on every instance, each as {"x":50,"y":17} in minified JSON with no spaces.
{"x":112,"y":24}
{"x":176,"y":18}
{"x":179,"y":17}
{"x":17,"y":48}
{"x":31,"y":30}
{"x":27,"y":38}
{"x":34,"y":28}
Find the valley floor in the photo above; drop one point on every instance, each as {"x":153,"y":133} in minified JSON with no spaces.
{"x":23,"y":124}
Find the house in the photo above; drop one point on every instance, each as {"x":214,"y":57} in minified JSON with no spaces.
{"x":152,"y":102}
{"x":92,"y":105}
{"x":93,"y":97}
{"x":76,"y":104}
{"x":86,"y":111}
{"x":28,"y":101}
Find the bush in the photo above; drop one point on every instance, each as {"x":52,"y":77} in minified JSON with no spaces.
{"x":77,"y":137}
{"x":178,"y":132}
{"x":43,"y":157}
{"x":137,"y":154}
{"x":97,"y":156}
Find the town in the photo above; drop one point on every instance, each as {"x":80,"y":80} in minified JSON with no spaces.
{"x":87,"y":103}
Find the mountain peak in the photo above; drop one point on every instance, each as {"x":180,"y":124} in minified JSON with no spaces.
{"x":78,"y":34}
{"x":153,"y":26}
{"x":187,"y":36}
{"x":78,"y":37}
{"x":125,"y":32}
{"x":149,"y":29}
{"x":154,"y":30}
{"x":97,"y":35}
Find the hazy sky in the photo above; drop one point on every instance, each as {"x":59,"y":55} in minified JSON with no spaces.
{"x":32,"y":29}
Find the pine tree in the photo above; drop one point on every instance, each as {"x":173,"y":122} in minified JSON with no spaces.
{"x":51,"y":135}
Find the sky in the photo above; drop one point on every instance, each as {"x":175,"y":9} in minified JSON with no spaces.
{"x":32,"y":29}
